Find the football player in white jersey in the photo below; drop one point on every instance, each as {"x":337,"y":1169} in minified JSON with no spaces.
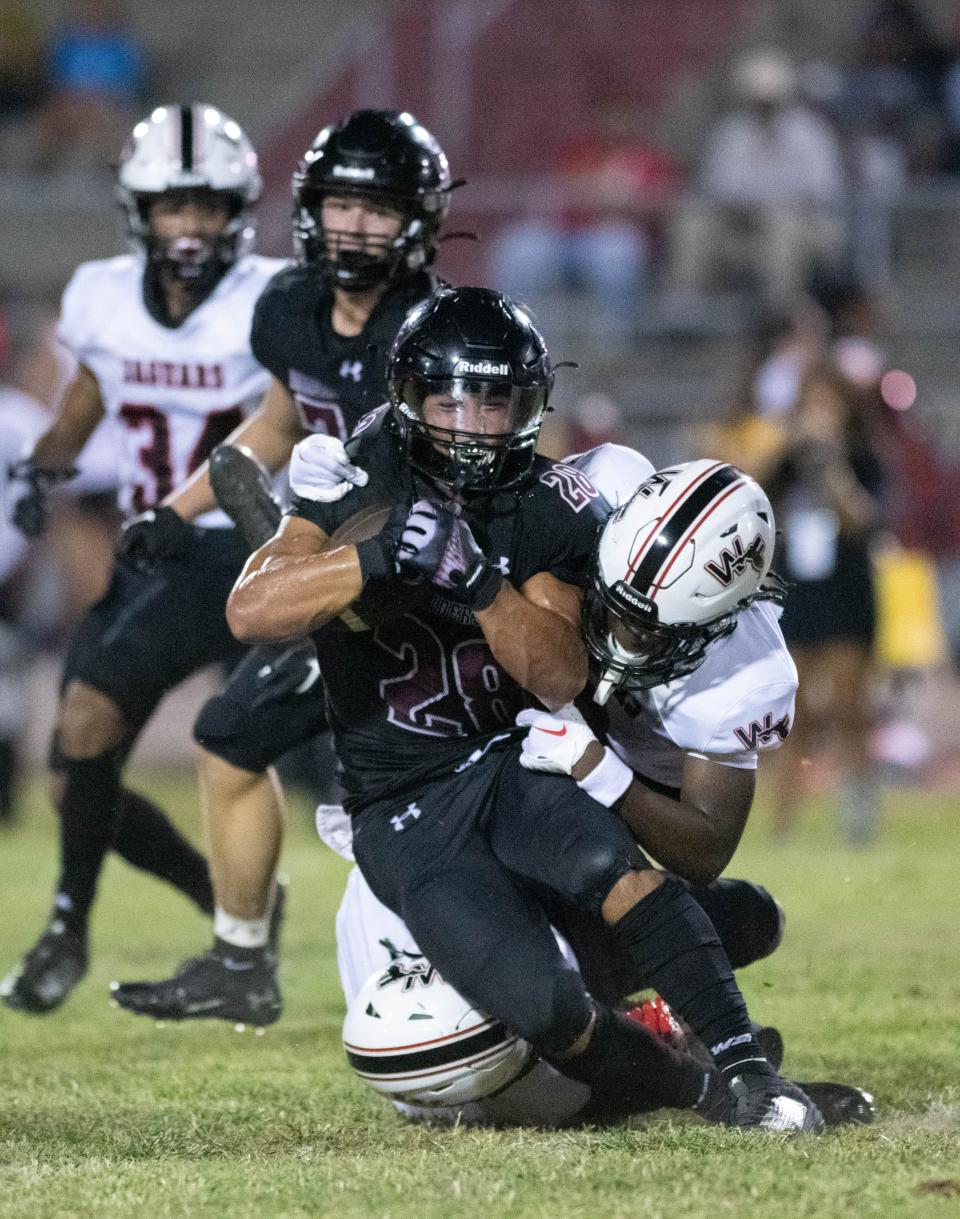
{"x":161,"y":336}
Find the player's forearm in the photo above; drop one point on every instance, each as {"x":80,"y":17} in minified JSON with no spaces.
{"x":284,"y":596}
{"x":677,"y":834}
{"x":271,"y":447}
{"x":542,"y":651}
{"x":80,"y":412}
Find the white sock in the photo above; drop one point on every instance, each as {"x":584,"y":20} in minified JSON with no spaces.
{"x":241,"y":932}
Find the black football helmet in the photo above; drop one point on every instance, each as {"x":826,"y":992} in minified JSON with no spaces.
{"x":379,"y":154}
{"x":469,"y":378}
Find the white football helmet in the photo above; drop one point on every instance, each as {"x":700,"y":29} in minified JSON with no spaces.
{"x":674,"y":566}
{"x":190,"y":148}
{"x":413,"y":1038}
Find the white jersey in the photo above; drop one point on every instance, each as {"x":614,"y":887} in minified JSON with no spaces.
{"x":173,"y":393}
{"x":737,"y":703}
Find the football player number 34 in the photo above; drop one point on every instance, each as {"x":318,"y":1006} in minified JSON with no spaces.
{"x":438,"y":692}
{"x":156,"y":453}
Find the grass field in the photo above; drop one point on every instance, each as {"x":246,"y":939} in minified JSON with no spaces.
{"x":106,"y":1115}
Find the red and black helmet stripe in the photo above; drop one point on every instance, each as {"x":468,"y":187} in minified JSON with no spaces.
{"x":186,"y":138}
{"x":659,"y":549}
{"x":430,"y":1057}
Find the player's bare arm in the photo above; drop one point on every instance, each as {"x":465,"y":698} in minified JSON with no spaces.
{"x":270,"y":434}
{"x":696,"y":835}
{"x":80,"y":412}
{"x":293,"y":585}
{"x":535,"y":635}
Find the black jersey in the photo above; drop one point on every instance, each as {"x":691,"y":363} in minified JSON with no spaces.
{"x":333,"y":380}
{"x":422,"y":691}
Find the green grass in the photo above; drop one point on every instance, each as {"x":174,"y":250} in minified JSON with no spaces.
{"x":105,"y":1115}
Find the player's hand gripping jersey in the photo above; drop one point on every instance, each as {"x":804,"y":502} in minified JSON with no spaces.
{"x":420,"y":692}
{"x":334,"y":380}
{"x":173,"y":393}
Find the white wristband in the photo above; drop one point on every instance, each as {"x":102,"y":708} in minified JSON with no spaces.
{"x":608,"y":781}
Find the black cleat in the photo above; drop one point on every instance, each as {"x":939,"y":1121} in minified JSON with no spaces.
{"x":49,"y":971}
{"x":841,"y":1104}
{"x":766,"y":1102}
{"x":216,"y":986}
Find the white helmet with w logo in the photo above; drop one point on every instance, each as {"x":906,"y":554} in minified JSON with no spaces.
{"x":674,"y":565}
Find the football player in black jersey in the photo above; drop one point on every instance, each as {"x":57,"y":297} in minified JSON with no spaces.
{"x":369,"y":200}
{"x":472,"y":591}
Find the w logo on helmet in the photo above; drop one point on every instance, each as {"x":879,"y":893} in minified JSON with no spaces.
{"x":733,"y":562}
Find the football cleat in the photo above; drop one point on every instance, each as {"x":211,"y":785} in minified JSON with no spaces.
{"x":215,"y":986}
{"x":48,"y":972}
{"x":765,"y":1101}
{"x":841,"y":1104}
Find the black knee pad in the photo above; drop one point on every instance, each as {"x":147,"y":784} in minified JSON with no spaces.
{"x":748,"y":919}
{"x":594,"y":870}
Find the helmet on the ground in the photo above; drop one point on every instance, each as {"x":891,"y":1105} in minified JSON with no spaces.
{"x":384,"y":156}
{"x":190,"y":152}
{"x":673,"y":567}
{"x":413,"y":1038}
{"x":469,"y":378}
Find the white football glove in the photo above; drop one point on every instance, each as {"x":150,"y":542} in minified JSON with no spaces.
{"x":321,"y":470}
{"x":556,"y":741}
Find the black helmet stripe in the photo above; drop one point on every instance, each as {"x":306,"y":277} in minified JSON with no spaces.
{"x":672,"y":529}
{"x":186,"y":138}
{"x":430,"y":1057}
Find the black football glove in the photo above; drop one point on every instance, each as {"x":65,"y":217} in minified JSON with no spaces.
{"x":294,"y":671}
{"x":378,"y":555}
{"x":154,"y":536}
{"x":30,"y":513}
{"x":437,"y":546}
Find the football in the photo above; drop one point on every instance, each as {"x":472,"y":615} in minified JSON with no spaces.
{"x":385,"y":600}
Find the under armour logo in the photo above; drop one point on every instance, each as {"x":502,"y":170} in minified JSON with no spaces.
{"x":399,"y":820}
{"x":503,"y":565}
{"x":352,"y":368}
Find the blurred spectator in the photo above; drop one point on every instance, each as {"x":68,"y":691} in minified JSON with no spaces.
{"x":785,"y":347}
{"x":892,"y":102}
{"x":826,"y":491}
{"x":20,"y":75}
{"x":95,"y":78}
{"x":614,"y":180}
{"x":771,"y":190}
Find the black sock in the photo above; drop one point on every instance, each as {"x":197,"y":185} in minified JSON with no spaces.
{"x":677,"y":950}
{"x":630,"y":1070}
{"x":146,"y":838}
{"x":88,"y":817}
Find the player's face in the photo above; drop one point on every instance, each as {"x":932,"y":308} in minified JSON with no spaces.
{"x":635,"y":643}
{"x":187,"y":225}
{"x":359,"y":224}
{"x":188,"y":214}
{"x":483,"y":413}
